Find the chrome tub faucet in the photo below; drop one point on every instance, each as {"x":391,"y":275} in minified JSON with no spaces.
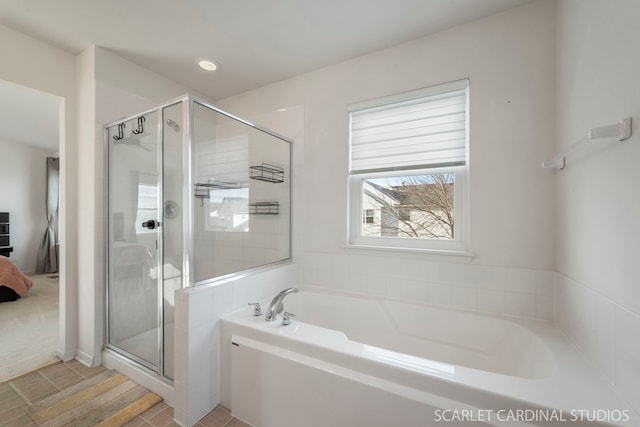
{"x":276,"y":304}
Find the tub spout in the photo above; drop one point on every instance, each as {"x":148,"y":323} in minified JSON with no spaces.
{"x":276,"y":304}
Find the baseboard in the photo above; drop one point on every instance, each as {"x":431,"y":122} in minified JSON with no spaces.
{"x":87,"y":360}
{"x":67,"y":355}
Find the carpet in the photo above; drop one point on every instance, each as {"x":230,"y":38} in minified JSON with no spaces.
{"x":29,"y":328}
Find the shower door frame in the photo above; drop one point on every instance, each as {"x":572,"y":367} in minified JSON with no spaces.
{"x":160,"y":368}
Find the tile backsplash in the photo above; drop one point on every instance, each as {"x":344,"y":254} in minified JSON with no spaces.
{"x":604,"y":331}
{"x":496,"y":290}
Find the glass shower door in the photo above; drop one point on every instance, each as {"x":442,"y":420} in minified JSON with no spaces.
{"x":134,"y":240}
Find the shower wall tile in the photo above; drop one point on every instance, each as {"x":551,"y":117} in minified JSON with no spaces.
{"x":544,"y":307}
{"x":340,"y":272}
{"x":243,"y":291}
{"x":200,"y":307}
{"x":396,"y":288}
{"x":491,"y":300}
{"x":545,"y":282}
{"x":222,"y":299}
{"x":460,"y":274}
{"x":627,"y":348}
{"x":605,"y":331}
{"x":523,"y":281}
{"x":494,"y":278}
{"x":357,"y":283}
{"x":181,"y":341}
{"x":465,"y":298}
{"x":393,"y":267}
{"x":439,"y":294}
{"x":376,"y":284}
{"x":411,"y":270}
{"x":181,"y":402}
{"x":520,"y":304}
{"x":417,"y":291}
{"x":496,"y":290}
{"x":197,"y":334}
{"x":181,"y":312}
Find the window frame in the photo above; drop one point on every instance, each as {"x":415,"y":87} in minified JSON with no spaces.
{"x":459,"y":245}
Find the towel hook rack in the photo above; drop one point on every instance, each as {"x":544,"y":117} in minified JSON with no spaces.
{"x":620,"y":130}
{"x":120,"y":134}
{"x":140,"y":129}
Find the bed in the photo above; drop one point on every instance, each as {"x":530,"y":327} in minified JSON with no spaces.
{"x":13,"y":283}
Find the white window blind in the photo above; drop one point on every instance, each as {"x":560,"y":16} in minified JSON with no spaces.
{"x":421,"y":129}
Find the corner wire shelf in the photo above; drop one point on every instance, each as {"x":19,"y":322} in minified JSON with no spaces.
{"x":264,"y":208}
{"x":202,"y":190}
{"x":267,"y":172}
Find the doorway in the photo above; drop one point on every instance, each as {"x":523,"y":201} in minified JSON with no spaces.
{"x":31,"y":131}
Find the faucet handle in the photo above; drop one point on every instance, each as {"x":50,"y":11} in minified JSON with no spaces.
{"x":286,"y":318}
{"x":257,"y":310}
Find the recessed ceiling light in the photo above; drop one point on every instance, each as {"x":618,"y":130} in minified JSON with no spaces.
{"x":207,"y":65}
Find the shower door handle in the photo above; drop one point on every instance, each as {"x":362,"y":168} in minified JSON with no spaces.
{"x":151,"y":224}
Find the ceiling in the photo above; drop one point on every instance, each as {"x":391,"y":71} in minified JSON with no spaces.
{"x":255,"y":42}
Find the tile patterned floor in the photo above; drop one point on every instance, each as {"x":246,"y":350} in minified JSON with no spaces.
{"x":17,"y":394}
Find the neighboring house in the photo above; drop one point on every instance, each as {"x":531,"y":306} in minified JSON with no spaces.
{"x":230,"y":214}
{"x":418,"y":207}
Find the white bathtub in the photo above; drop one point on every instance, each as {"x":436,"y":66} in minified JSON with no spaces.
{"x":348,"y":361}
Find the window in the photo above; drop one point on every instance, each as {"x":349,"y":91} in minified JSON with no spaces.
{"x":228,"y":210}
{"x":147,"y":206}
{"x":408,"y":169}
{"x":367,"y":217}
{"x":222,"y":167}
{"x":404,"y":214}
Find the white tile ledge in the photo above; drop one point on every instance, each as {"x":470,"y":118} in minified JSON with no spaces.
{"x":459,"y":255}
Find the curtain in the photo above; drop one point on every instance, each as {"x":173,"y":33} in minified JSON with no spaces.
{"x":47,"y":261}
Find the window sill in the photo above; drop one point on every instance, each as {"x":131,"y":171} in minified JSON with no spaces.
{"x":461,"y":256}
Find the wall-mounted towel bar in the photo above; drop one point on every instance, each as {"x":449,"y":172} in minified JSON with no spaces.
{"x":620,"y":130}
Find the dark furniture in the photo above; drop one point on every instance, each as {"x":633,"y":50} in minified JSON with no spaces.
{"x":5,"y":243}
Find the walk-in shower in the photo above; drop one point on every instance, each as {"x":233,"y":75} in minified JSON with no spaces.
{"x":194,"y":194}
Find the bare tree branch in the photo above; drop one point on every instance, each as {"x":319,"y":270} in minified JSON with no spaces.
{"x":417,"y":206}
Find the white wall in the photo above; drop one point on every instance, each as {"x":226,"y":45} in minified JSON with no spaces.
{"x":23,"y":172}
{"x":90,"y":336}
{"x":598,"y":198}
{"x":510,"y":61}
{"x":57,"y":78}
